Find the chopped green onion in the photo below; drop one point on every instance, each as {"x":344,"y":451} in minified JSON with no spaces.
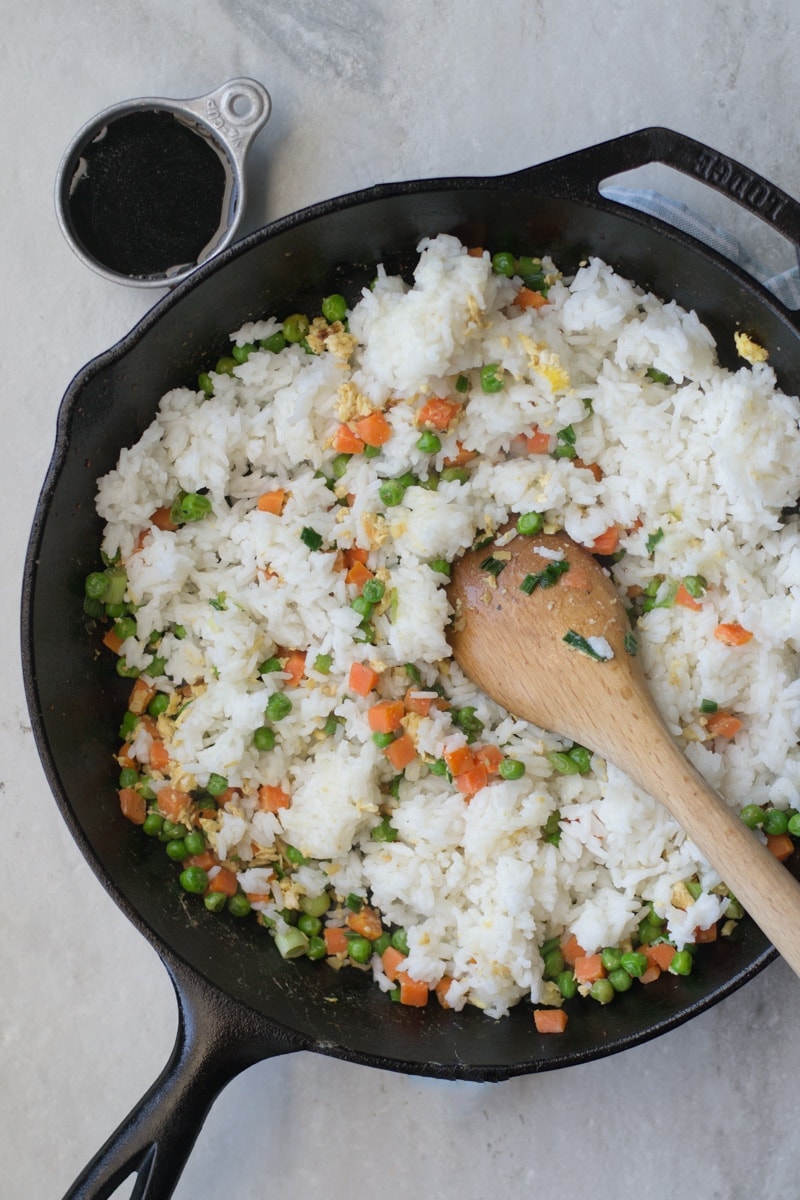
{"x":530,"y":523}
{"x":462,"y":384}
{"x":578,"y":642}
{"x":309,"y":537}
{"x":631,"y":644}
{"x":546,"y":578}
{"x":709,"y":706}
{"x":657,"y":376}
{"x":653,"y":540}
{"x":493,"y":566}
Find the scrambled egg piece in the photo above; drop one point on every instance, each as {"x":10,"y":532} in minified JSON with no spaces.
{"x":545,"y":363}
{"x":749,"y":350}
{"x":376,"y":529}
{"x":351,"y":403}
{"x":334,"y":338}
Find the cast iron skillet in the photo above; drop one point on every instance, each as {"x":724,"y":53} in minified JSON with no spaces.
{"x":238,"y":1001}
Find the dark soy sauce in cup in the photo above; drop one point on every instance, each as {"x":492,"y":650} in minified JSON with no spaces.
{"x":149,"y":194}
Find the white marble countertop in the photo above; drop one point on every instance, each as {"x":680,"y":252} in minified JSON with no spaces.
{"x":363,"y":92}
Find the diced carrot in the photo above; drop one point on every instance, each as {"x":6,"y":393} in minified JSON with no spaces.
{"x":571,"y":950}
{"x":490,"y":757}
{"x":225,"y":882}
{"x":660,"y":955}
{"x":686,"y":599}
{"x":159,"y":755}
{"x":595,"y":468}
{"x":173,"y":803}
{"x":347,"y":442}
{"x":271,"y":798}
{"x":391,"y":960}
{"x":386,"y":716}
{"x":589,"y":968}
{"x":295,"y":666}
{"x":354,"y":554}
{"x":335,"y":939}
{"x":723,"y":724}
{"x":607,"y":542}
{"x":149,"y":724}
{"x":416,"y":701}
{"x":780,"y":844}
{"x":528,"y":298}
{"x":125,"y":758}
{"x":705,"y":935}
{"x":437,"y":412}
{"x":550,"y":1020}
{"x":259,"y":897}
{"x":358,"y":575}
{"x":133,"y":805}
{"x":366,"y":922}
{"x":112,"y":641}
{"x":205,"y":859}
{"x":413,"y":992}
{"x":401,"y":752}
{"x":650,"y":974}
{"x":228,"y":795}
{"x":461,"y":457}
{"x":272,"y":502}
{"x":374,"y":430}
{"x":459,"y":759}
{"x":162,"y":520}
{"x":471,"y":781}
{"x":538,"y":442}
{"x":475,"y":252}
{"x":362,"y":679}
{"x":441,"y":990}
{"x":731,"y":633}
{"x":141,"y":695}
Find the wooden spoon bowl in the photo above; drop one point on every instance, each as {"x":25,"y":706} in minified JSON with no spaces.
{"x":554,"y":646}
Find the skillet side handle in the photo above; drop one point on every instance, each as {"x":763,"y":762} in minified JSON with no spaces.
{"x":580,"y":174}
{"x":216,"y":1040}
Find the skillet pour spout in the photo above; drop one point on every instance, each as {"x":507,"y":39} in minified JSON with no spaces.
{"x":238,"y":1003}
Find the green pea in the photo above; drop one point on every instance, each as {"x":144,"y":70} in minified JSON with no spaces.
{"x":172,"y":829}
{"x":194,"y":880}
{"x":620,"y":980}
{"x":316,"y":948}
{"x":384,"y":832}
{"x":438,"y":767}
{"x":504,"y":263}
{"x":681,"y":963}
{"x":794,"y":825}
{"x":331,"y":724}
{"x":752,"y":815}
{"x":176,"y":849}
{"x":269,"y":666}
{"x":274,"y":343}
{"x":217,"y":784}
{"x":440,"y":565}
{"x":602,"y":991}
{"x":96,"y":585}
{"x":339,"y":465}
{"x":192,"y":507}
{"x":371,"y":451}
{"x":334,"y":307}
{"x":466,"y":719}
{"x":215,"y":901}
{"x":362,"y":606}
{"x":243,"y":352}
{"x":381,"y":944}
{"x":153,"y":824}
{"x":611,"y":958}
{"x":226,"y":365}
{"x":323,"y":664}
{"x":391,"y":492}
{"x":492,"y":379}
{"x":125,"y":627}
{"x":278,"y":706}
{"x":567,"y":984}
{"x":581,"y":757}
{"x":530,"y":523}
{"x":239,"y":905}
{"x":775,"y":822}
{"x":128,"y":727}
{"x":128,"y":777}
{"x":195,"y":842}
{"x":400,"y":940}
{"x":429,"y":443}
{"x":264,"y":738}
{"x":373,"y":590}
{"x":634,"y":963}
{"x":553,"y":964}
{"x":511,"y":768}
{"x":296,"y":327}
{"x":359,"y":949}
{"x":382,"y":740}
{"x":454,"y":475}
{"x":309,"y":925}
{"x":205,"y":383}
{"x":158,"y":705}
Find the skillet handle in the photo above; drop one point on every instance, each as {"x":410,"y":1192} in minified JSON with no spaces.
{"x":578,"y":176}
{"x":216,"y":1040}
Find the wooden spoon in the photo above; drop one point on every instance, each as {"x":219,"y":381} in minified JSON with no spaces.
{"x":512,"y":645}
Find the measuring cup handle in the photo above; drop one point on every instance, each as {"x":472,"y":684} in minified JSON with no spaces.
{"x":236,"y":111}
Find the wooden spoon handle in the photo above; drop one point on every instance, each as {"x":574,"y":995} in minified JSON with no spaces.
{"x":763,"y":885}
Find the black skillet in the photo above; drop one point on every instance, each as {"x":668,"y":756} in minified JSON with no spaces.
{"x":238,"y":1001}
